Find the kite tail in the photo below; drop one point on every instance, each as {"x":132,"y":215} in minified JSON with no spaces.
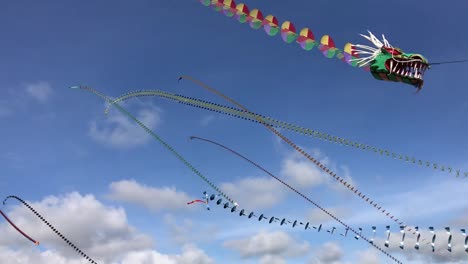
{"x":238,"y":113}
{"x":296,"y":191}
{"x":51,"y":227}
{"x":298,"y":149}
{"x":19,"y":230}
{"x":308,"y":156}
{"x":155,"y":136}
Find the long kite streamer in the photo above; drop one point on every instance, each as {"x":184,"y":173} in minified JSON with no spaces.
{"x":319,"y":227}
{"x":294,"y":190}
{"x":384,"y":61}
{"x":298,"y":149}
{"x":19,"y":230}
{"x":235,"y":112}
{"x":159,"y":139}
{"x":51,"y":227}
{"x":307,"y":198}
{"x":178,"y":155}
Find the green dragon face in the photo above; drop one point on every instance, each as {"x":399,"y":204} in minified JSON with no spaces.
{"x":389,"y":63}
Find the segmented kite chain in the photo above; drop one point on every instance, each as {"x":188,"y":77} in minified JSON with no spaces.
{"x":305,"y":154}
{"x":19,"y":230}
{"x":284,"y":221}
{"x":288,"y":126}
{"x":326,"y":42}
{"x":51,"y":227}
{"x":149,"y":131}
{"x":299,"y":193}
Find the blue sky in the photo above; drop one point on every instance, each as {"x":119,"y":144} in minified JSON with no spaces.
{"x":121,"y":196}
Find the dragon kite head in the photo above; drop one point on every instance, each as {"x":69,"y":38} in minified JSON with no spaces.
{"x":389,"y":63}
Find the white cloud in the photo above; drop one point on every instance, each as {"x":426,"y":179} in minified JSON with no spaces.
{"x":273,"y":245}
{"x":154,"y":199}
{"x":302,"y":172}
{"x":40,"y":91}
{"x":269,"y":259}
{"x":118,"y":130}
{"x":102,"y":232}
{"x":255,"y":193}
{"x":190,"y":255}
{"x":330,"y":253}
{"x":369,"y":256}
{"x":184,"y":231}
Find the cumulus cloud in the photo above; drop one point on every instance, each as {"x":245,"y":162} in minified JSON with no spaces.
{"x":369,"y":256}
{"x":154,"y":199}
{"x":40,"y":91}
{"x":102,"y":232}
{"x":268,"y":246}
{"x":117,"y":130}
{"x":330,"y":253}
{"x":301,"y":172}
{"x":255,"y":193}
{"x":190,"y":255}
{"x":184,"y":231}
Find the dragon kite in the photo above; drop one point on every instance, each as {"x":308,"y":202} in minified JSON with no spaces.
{"x":385,"y":62}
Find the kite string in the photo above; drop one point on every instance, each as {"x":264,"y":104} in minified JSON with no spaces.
{"x":288,"y":126}
{"x":51,"y":227}
{"x":447,"y":62}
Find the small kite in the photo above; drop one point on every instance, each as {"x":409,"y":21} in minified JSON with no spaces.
{"x":19,"y":230}
{"x":196,"y":201}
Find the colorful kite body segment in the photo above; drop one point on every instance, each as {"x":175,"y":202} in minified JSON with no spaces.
{"x":385,"y":62}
